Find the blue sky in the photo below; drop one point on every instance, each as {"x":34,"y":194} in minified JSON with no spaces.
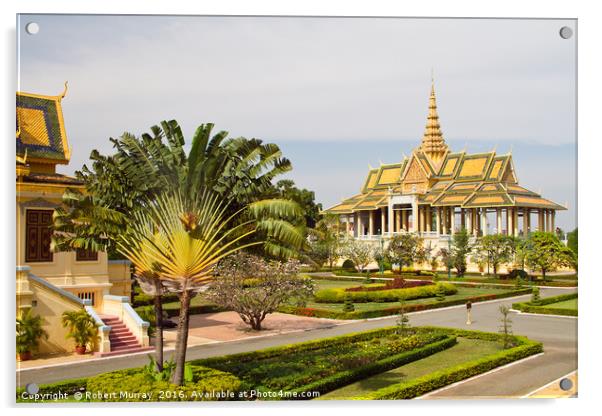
{"x":335,"y":94}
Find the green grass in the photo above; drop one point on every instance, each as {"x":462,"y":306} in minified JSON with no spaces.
{"x":567,"y":304}
{"x":466,"y":350}
{"x":463,"y":292}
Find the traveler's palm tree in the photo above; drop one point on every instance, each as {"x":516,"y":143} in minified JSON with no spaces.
{"x":181,"y":239}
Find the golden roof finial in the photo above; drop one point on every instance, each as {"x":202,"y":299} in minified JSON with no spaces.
{"x":433,"y":144}
{"x":64,"y":91}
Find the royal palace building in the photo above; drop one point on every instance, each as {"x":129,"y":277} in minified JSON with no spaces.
{"x":435,"y":192}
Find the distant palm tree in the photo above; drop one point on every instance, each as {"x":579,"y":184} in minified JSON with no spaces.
{"x":181,"y":238}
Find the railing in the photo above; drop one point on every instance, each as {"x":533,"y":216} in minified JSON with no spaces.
{"x":104,"y":331}
{"x":120,"y":307}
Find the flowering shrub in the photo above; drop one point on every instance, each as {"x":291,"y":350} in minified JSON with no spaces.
{"x":338,"y":295}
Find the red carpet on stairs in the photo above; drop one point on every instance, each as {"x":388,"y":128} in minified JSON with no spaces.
{"x":122,"y":339}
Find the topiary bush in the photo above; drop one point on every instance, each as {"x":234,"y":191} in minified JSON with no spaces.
{"x":207,"y":385}
{"x":348,"y":265}
{"x":338,"y":295}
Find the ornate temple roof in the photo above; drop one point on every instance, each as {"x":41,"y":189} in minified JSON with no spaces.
{"x":40,"y":131}
{"x":442,"y":178}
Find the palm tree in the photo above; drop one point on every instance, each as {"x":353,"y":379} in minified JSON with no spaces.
{"x":29,"y":332}
{"x":238,"y":170}
{"x":81,"y":327}
{"x":181,"y":239}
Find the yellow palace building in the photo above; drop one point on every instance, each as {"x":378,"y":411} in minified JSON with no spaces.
{"x":436,"y":192}
{"x":51,"y":283}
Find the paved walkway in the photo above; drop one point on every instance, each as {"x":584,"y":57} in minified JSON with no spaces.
{"x":559,"y":335}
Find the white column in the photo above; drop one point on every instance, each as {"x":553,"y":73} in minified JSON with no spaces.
{"x":498,"y":217}
{"x":371,"y":223}
{"x":414,"y":215}
{"x":553,"y":220}
{"x":390,"y":219}
{"x":452,"y":220}
{"x":484,"y":221}
{"x":526,"y":221}
{"x":515,"y":221}
{"x":429,"y":218}
{"x":438,"y":220}
{"x":359,"y":225}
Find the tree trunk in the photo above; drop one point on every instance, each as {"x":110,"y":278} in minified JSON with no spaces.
{"x":159,"y":328}
{"x":256,"y":323}
{"x":182,"y":338}
{"x":543,"y":273}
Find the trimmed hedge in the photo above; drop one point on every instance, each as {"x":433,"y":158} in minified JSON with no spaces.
{"x":338,"y":295}
{"x":326,"y":313}
{"x":343,"y":378}
{"x":208,"y":385}
{"x":438,"y":379}
{"x":68,"y":386}
{"x":539,"y":307}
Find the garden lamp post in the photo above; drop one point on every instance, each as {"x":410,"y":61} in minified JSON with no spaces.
{"x":468,"y":310}
{"x":449,"y":258}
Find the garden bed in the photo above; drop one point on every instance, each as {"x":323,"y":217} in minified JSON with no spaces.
{"x":339,"y":295}
{"x":555,"y":305}
{"x":289,"y":372}
{"x":465,"y":293}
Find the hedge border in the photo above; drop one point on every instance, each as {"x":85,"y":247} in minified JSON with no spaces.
{"x":344,"y":378}
{"x":439,"y":379}
{"x":539,"y":308}
{"x":325,"y":313}
{"x":339,"y":295}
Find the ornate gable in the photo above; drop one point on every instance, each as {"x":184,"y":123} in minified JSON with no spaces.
{"x":415,"y":178}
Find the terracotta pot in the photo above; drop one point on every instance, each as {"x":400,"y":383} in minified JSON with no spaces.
{"x":80,"y":349}
{"x":24,"y":356}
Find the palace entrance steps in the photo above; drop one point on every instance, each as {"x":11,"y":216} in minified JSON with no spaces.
{"x":121,"y":339}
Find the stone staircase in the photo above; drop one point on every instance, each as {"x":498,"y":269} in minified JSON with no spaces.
{"x":121,"y":338}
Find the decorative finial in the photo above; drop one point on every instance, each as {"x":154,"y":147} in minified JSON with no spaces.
{"x":494,"y":148}
{"x":433,"y":144}
{"x":511,"y":147}
{"x":64,"y":91}
{"x":465,"y":147}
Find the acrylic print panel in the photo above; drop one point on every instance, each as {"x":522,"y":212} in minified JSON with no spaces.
{"x":372,"y":208}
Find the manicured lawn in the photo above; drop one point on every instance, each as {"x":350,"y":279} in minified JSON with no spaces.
{"x":567,"y":304}
{"x":465,"y":350}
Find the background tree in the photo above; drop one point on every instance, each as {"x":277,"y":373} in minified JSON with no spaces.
{"x":573,"y":241}
{"x":359,"y":252}
{"x":460,"y":248}
{"x":286,"y":189}
{"x":405,"y":250}
{"x":254,"y":287}
{"x":544,"y":252}
{"x":327,"y":234}
{"x":498,"y":249}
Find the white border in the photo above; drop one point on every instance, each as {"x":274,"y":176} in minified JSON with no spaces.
{"x":590,"y":31}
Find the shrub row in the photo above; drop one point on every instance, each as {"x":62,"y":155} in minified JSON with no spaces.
{"x":338,"y":295}
{"x":343,"y":378}
{"x":297,"y":347}
{"x":396,"y":283}
{"x":326,"y":313}
{"x":438,"y":379}
{"x":208,"y":385}
{"x":67,"y":386}
{"x":539,"y":307}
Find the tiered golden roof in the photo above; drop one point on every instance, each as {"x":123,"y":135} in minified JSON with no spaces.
{"x":441,"y":178}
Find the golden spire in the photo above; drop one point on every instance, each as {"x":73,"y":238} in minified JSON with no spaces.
{"x":433,"y":144}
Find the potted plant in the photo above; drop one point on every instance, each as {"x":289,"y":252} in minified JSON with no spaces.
{"x":29,"y":332}
{"x":82,"y":329}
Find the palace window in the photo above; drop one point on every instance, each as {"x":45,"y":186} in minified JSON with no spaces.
{"x":82,"y":254}
{"x":37,"y":235}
